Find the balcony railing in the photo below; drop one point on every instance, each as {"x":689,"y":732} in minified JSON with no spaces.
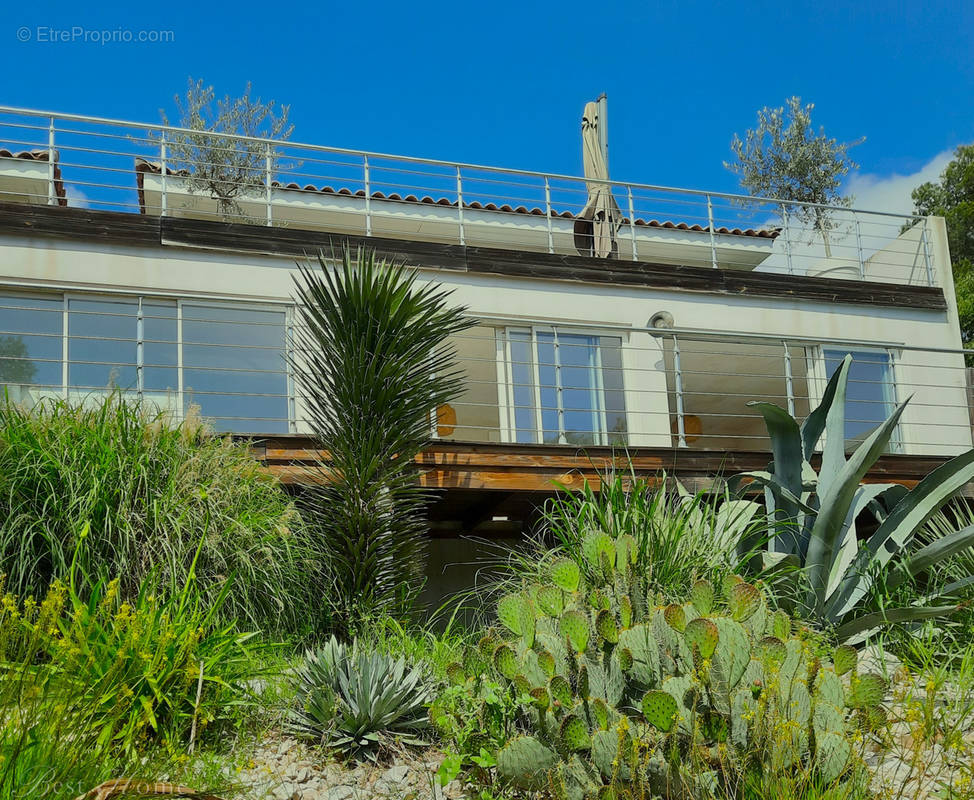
{"x":75,"y":160}
{"x":526,"y":382}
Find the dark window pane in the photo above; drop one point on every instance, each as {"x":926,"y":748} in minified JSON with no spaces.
{"x":102,"y":344}
{"x":869,"y":392}
{"x":30,"y":341}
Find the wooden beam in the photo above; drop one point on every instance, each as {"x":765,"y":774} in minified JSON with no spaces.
{"x":125,"y":228}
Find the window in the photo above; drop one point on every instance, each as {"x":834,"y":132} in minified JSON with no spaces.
{"x":234,"y":367}
{"x":31,"y":344}
{"x":564,"y":388}
{"x":227,"y":359}
{"x":870,"y":391}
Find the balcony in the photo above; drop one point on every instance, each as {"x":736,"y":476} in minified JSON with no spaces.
{"x":111,"y":165}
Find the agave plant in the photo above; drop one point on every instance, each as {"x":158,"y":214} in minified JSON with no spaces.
{"x":814,"y":516}
{"x":356,"y":701}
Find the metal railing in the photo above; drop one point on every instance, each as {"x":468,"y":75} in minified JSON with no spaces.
{"x":117,"y":165}
{"x":524,"y":382}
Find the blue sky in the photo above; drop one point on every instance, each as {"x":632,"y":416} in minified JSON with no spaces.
{"x":504,"y":83}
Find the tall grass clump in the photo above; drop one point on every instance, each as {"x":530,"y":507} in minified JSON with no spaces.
{"x":149,"y":495}
{"x":373,"y":361}
{"x":678,"y":537}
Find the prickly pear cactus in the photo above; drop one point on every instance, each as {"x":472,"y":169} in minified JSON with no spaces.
{"x":622,"y":696}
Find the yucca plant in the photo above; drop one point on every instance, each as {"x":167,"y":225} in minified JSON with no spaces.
{"x":814,"y":516}
{"x":373,"y":363}
{"x":356,"y":701}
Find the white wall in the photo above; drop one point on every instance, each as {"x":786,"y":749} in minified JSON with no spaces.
{"x":936,"y":423}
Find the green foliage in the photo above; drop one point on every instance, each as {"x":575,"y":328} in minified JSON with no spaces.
{"x":225,"y":168}
{"x":372,"y":360}
{"x":357,"y":702}
{"x":670,"y":538}
{"x":148,"y":494}
{"x":94,"y":688}
{"x":952,"y":197}
{"x":783,"y":158}
{"x":670,"y":702}
{"x":815,"y":518}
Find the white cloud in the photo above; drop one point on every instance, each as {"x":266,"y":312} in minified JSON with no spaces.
{"x":891,"y":193}
{"x":75,"y":197}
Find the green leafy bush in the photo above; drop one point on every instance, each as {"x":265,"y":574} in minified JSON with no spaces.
{"x":623,"y":696}
{"x":148,"y":494}
{"x":815,"y":518}
{"x":357,"y":701}
{"x":91,"y":688}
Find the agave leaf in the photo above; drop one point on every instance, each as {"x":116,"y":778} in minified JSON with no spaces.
{"x":786,"y":450}
{"x":814,"y":424}
{"x":833,"y":454}
{"x":823,"y":545}
{"x":861,"y":626}
{"x":896,"y":531}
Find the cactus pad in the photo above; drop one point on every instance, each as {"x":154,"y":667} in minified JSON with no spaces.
{"x":743,"y":600}
{"x":561,"y":691}
{"x":573,"y":734}
{"x":772,"y":649}
{"x":832,"y":754}
{"x":600,"y":714}
{"x":624,"y":654}
{"x":659,"y":708}
{"x":625,"y":611}
{"x":539,"y":698}
{"x":845,"y":659}
{"x":455,"y":674}
{"x":606,"y":626}
{"x":675,"y":617}
{"x":565,"y":575}
{"x":516,"y":612}
{"x":546,"y":662}
{"x":781,"y":625}
{"x":551,"y":600}
{"x":867,"y":691}
{"x":702,"y":635}
{"x":505,"y":661}
{"x":729,"y":582}
{"x":702,"y":597}
{"x":574,"y":626}
{"x":525,"y":761}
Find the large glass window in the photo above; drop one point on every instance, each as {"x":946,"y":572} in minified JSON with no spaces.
{"x":565,"y":388}
{"x":234,"y":367}
{"x":870,"y":395}
{"x":31,"y":343}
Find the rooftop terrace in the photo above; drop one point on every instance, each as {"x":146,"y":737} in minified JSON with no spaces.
{"x":80,"y":161}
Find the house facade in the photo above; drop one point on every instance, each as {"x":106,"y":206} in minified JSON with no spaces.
{"x":125,"y":263}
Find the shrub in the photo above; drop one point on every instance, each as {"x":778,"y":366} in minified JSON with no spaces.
{"x":621,"y":696}
{"x":677,"y":537}
{"x":357,"y":701}
{"x":148,"y":494}
{"x":373,"y":361}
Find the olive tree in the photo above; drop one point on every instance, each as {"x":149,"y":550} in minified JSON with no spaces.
{"x":784,"y":158}
{"x":224,"y":167}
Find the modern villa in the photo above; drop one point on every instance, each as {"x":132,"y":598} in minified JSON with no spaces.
{"x":124,"y":263}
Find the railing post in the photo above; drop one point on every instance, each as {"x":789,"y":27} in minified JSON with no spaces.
{"x":267,"y":184}
{"x":784,"y":222}
{"x":632,"y":226}
{"x":367,"y":183}
{"x":51,"y":155}
{"x":547,"y":211}
{"x":862,"y":261}
{"x":163,"y":171}
{"x":681,"y":437}
{"x":460,"y":207}
{"x":925,"y":240}
{"x":789,"y":381}
{"x":713,"y":232}
{"x":140,"y":351}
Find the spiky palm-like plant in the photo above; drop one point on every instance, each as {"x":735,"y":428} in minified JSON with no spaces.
{"x":373,"y":362}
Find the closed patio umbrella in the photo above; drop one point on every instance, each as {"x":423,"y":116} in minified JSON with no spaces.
{"x":596,"y":224}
